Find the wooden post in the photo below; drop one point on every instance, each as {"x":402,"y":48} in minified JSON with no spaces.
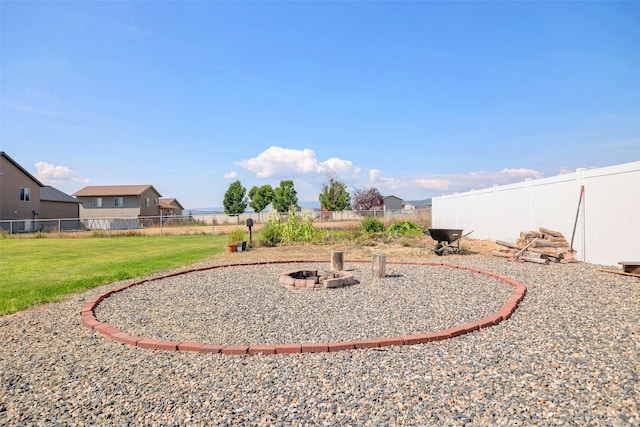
{"x":378,"y":265}
{"x":337,"y":261}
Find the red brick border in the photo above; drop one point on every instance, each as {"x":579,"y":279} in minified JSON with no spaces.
{"x":87,"y":314}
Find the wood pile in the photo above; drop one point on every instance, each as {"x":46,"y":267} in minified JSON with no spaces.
{"x":542,"y":246}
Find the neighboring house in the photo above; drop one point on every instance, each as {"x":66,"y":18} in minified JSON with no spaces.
{"x":56,"y":204}
{"x":24,"y":199}
{"x":19,"y":191}
{"x":392,"y":203}
{"x":170,"y":207}
{"x":118,"y":201}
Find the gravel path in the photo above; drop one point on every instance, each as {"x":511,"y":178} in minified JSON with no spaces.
{"x":569,"y":355}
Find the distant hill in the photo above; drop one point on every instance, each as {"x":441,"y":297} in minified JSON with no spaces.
{"x":423,"y":202}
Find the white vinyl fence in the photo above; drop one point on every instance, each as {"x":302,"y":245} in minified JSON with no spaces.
{"x":608,"y":222}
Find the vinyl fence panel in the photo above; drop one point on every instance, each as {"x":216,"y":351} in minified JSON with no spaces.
{"x":607,"y":230}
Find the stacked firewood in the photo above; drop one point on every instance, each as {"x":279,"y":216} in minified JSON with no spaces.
{"x":542,"y":246}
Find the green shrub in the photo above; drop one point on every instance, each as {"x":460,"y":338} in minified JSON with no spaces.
{"x":236,"y":236}
{"x":405,"y":228}
{"x":295,"y":229}
{"x":299,"y":229}
{"x":271,"y":233}
{"x":370,"y":225}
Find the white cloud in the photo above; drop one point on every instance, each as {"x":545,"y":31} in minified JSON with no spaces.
{"x":50,"y":174}
{"x":427,"y":185}
{"x":520,"y":173}
{"x":287,"y":162}
{"x":230,"y":175}
{"x":337,"y":165}
{"x":307,"y":171}
{"x":433,"y":183}
{"x":374,"y":174}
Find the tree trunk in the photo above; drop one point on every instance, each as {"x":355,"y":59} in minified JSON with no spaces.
{"x":337,"y":261}
{"x":379,"y":265}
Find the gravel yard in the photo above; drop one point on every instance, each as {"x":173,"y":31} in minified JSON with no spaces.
{"x":570,"y":355}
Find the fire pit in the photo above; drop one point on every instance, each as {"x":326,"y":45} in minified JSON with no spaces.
{"x":309,"y":279}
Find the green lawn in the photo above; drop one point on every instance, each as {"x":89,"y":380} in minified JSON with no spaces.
{"x":34,"y":271}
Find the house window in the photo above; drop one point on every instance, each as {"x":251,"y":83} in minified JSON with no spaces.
{"x":97,"y":202}
{"x":146,"y":202}
{"x":155,"y":202}
{"x":118,"y":202}
{"x":25,"y":194}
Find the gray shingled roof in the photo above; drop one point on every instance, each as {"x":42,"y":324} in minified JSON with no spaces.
{"x":50,"y":194}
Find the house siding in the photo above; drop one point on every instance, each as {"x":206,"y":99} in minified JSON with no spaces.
{"x":109,"y":210}
{"x":11,"y":180}
{"x":154,"y":203}
{"x":133,"y":206}
{"x":392,"y":203}
{"x":50,"y":209}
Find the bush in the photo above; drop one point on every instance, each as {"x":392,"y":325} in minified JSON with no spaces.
{"x":298,"y":229}
{"x":370,"y":225}
{"x":236,"y":236}
{"x":271,"y":233}
{"x":405,"y":228}
{"x":295,"y":229}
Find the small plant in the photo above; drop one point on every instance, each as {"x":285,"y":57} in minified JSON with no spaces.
{"x":271,"y":233}
{"x":370,"y":225}
{"x":235,"y":237}
{"x":405,"y":228}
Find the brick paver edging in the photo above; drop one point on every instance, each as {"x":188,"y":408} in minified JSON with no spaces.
{"x":508,"y":308}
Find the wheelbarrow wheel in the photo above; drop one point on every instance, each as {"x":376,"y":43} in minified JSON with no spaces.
{"x":439,"y":249}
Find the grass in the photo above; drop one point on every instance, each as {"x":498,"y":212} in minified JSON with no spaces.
{"x":35,"y":271}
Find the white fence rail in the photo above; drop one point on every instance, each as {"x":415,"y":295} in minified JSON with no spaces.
{"x":608,"y":223}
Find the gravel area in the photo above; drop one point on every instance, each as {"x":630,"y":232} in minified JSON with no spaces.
{"x":570,"y":354}
{"x":246,"y":305}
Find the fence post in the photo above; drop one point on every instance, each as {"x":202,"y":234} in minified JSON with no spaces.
{"x":337,"y":261}
{"x":378,"y":266}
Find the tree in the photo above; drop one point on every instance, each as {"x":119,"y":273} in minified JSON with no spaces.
{"x":235,"y":201}
{"x":260,"y":197}
{"x":284,"y":196}
{"x":365,"y":199}
{"x":334,"y":196}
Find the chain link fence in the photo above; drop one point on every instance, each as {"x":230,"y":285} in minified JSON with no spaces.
{"x":205,"y":222}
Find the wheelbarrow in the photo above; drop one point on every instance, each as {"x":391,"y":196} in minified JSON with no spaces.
{"x":447,"y":239}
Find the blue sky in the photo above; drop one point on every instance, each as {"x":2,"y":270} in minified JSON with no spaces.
{"x":415,"y":98}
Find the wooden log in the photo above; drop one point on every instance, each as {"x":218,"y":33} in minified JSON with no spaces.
{"x":527,"y":235}
{"x":540,"y":251}
{"x":550,"y":232}
{"x":337,"y":261}
{"x":502,"y":254}
{"x":558,"y":240}
{"x":520,"y":252}
{"x":535,"y":260}
{"x":544,"y":243}
{"x":379,"y":266}
{"x":508,"y":245}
